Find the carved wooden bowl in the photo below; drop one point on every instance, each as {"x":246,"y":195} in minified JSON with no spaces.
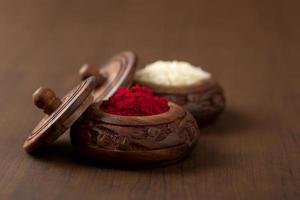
{"x":143,"y":140}
{"x":205,"y":100}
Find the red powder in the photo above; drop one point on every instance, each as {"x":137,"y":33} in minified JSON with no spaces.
{"x":135,"y":101}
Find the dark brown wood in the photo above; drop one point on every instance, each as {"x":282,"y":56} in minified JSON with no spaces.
{"x":45,"y":98}
{"x":205,"y":100}
{"x":250,"y":46}
{"x":117,"y":71}
{"x":135,"y":140}
{"x":88,"y":70}
{"x":61,"y":114}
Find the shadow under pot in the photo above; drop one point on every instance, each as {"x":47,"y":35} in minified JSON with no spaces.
{"x":205,"y":100}
{"x":145,"y":140}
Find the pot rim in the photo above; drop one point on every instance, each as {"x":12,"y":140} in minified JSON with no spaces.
{"x":172,"y":114}
{"x":198,"y":87}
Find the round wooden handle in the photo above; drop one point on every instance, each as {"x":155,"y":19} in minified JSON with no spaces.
{"x":88,"y":70}
{"x":45,"y":99}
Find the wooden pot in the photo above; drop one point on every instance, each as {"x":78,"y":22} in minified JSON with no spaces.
{"x":205,"y":100}
{"x":141,"y":140}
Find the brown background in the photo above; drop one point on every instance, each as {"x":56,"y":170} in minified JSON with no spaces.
{"x":251,"y":47}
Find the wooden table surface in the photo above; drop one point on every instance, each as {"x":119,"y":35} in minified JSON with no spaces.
{"x":250,"y":46}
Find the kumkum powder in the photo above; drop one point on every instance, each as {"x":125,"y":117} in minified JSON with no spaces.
{"x":135,"y":101}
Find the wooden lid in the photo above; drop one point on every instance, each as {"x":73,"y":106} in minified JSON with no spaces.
{"x":60,"y":113}
{"x":119,"y":70}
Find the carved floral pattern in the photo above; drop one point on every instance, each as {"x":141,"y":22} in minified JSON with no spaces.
{"x":203,"y":106}
{"x":112,"y":137}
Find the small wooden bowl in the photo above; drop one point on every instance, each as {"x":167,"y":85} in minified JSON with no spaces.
{"x":205,"y":100}
{"x":143,"y":140}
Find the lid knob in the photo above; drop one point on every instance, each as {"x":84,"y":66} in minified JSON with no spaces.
{"x":45,"y":99}
{"x":88,"y":70}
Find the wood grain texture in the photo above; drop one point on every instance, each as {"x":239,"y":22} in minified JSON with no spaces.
{"x":116,"y":71}
{"x":135,"y":141}
{"x":251,"y":47}
{"x":206,"y":101}
{"x":61,"y":113}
